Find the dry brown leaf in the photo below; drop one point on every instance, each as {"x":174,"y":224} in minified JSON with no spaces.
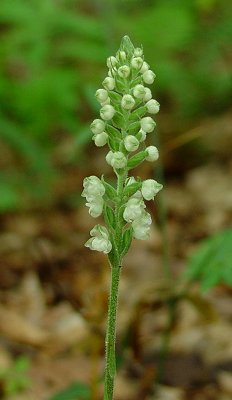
{"x":15,"y":327}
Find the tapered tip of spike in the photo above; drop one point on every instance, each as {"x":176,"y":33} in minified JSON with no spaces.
{"x":127,"y":45}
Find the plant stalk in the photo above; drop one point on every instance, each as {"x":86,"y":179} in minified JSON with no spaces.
{"x":110,"y":366}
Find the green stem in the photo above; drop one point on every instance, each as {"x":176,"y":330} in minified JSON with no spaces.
{"x":110,"y":363}
{"x":110,"y":368}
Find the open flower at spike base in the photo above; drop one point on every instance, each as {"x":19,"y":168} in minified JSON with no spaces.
{"x":100,"y":240}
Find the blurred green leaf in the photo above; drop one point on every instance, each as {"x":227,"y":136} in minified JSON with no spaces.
{"x":211,"y":264}
{"x":75,"y":391}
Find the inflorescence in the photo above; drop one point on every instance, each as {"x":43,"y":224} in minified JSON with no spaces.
{"x":123,"y":126}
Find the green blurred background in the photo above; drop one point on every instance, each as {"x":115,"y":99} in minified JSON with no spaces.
{"x":52,"y":59}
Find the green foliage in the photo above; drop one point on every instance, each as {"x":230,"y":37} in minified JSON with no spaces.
{"x":188,"y":43}
{"x":75,"y":391}
{"x":14,"y":379}
{"x":211,"y":264}
{"x":42,"y":47}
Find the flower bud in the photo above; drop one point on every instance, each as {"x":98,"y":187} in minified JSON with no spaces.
{"x":107,"y":112}
{"x":153,"y":106}
{"x":136,"y":62}
{"x":141,"y":135}
{"x":134,"y":209}
{"x":101,"y":139}
{"x":116,"y":159}
{"x":97,"y":126}
{"x":131,"y":143}
{"x":149,"y":77}
{"x":100,"y":240}
{"x":124,"y":71}
{"x":109,"y":83}
{"x":147,"y":124}
{"x":152,"y":153}
{"x":138,"y":52}
{"x":147,"y":95}
{"x":139,"y":91}
{"x":111,"y":62}
{"x":127,"y":102}
{"x":141,"y":226}
{"x":121,"y":55}
{"x":150,"y":188}
{"x":145,"y":67}
{"x":101,"y":95}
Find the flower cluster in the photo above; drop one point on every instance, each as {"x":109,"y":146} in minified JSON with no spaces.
{"x":123,"y":126}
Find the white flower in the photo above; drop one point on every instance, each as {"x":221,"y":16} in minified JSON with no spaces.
{"x":100,"y":240}
{"x":147,"y":95}
{"x":101,"y":139}
{"x":153,"y":106}
{"x":152,"y":153}
{"x":147,"y":124}
{"x":124,"y":71}
{"x":109,"y":83}
{"x":116,"y":159}
{"x":134,"y":209}
{"x":127,"y":102}
{"x":141,"y":226}
{"x":107,"y":112}
{"x":95,"y":206}
{"x":111,"y":62}
{"x":148,"y":77}
{"x":136,"y":62}
{"x":150,"y":188}
{"x":138,"y":52}
{"x":101,"y":95}
{"x":139,"y":91}
{"x":121,"y":55}
{"x":93,"y":187}
{"x":97,"y":126}
{"x":145,"y":67}
{"x":131,"y":143}
{"x":141,"y":135}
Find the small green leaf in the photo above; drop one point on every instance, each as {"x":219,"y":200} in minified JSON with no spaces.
{"x":120,"y":86}
{"x":126,"y":241}
{"x":138,"y":113}
{"x":109,"y":216}
{"x":211,"y":264}
{"x":110,"y":190}
{"x":112,"y":131}
{"x":132,"y":189}
{"x":115,"y":96}
{"x":75,"y":391}
{"x":136,"y":159}
{"x":136,"y":81}
{"x":113,"y":144}
{"x":118,"y":120}
{"x":134,"y":127}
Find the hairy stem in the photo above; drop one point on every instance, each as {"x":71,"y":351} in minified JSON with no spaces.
{"x":110,"y":364}
{"x":110,"y":367}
